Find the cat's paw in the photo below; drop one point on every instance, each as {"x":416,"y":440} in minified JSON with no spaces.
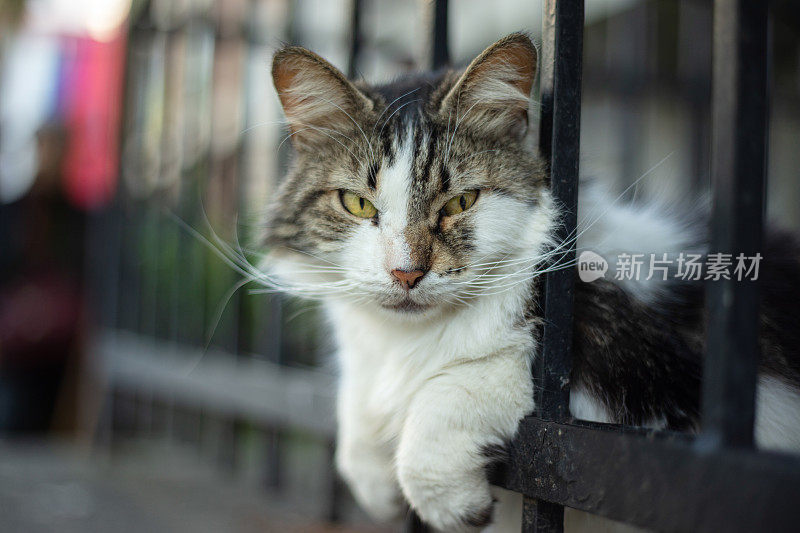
{"x":448,"y":499}
{"x":373,"y":485}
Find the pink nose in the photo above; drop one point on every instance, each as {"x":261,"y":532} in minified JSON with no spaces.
{"x":407,"y":279}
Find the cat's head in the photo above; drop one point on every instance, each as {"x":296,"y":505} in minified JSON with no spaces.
{"x":411,"y":197}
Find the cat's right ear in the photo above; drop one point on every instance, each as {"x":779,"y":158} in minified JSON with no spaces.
{"x":319,"y":102}
{"x":493,"y":93}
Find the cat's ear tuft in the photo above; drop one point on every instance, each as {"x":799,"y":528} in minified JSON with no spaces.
{"x":317,"y":98}
{"x":493,"y":93}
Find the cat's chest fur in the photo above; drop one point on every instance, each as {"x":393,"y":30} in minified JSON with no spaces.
{"x":385,"y":362}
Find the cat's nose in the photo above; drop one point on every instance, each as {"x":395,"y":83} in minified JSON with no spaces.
{"x":407,"y":279}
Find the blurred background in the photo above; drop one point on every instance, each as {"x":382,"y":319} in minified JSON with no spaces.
{"x":142,"y":387}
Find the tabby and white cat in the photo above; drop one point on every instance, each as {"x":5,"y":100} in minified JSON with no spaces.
{"x":420,"y":215}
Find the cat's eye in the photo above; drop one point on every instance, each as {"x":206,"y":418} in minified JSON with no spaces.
{"x":460,"y":203}
{"x":357,"y":205}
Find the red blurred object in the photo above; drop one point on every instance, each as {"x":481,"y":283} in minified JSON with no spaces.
{"x":40,"y":315}
{"x":91,"y":107}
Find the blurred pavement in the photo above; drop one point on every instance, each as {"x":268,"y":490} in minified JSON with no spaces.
{"x":48,"y":487}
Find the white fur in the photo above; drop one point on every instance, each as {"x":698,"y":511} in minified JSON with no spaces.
{"x":584,"y":406}
{"x":392,"y":202}
{"x":427,"y":400}
{"x":777,"y":415}
{"x":609,"y":227}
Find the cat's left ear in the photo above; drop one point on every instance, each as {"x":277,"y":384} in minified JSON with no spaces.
{"x":493,"y":93}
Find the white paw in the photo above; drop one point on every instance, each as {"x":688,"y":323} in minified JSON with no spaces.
{"x":373,"y":484}
{"x":448,"y":498}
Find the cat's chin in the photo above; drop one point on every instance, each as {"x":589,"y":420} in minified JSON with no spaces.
{"x":407,"y":306}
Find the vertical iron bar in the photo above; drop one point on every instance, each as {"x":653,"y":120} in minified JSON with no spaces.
{"x":738,"y":162}
{"x":557,"y":338}
{"x":539,"y":516}
{"x":440,"y":55}
{"x":355,"y":38}
{"x":546,"y":69}
{"x":694,"y":71}
{"x":562,"y":35}
{"x":631,"y":52}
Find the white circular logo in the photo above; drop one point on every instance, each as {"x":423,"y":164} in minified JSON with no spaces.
{"x":591,"y":266}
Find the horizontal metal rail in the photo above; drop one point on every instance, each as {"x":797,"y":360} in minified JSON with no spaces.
{"x":666,"y":482}
{"x":255,"y":390}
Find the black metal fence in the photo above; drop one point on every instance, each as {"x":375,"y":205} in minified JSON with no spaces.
{"x":714,"y":481}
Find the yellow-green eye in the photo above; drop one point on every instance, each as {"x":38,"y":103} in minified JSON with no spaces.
{"x":460,"y":203}
{"x":360,"y":207}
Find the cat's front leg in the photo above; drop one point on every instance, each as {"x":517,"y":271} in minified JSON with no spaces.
{"x":453,"y":420}
{"x":364,"y":461}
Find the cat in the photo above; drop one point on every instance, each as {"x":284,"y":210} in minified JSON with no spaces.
{"x":419,"y":213}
